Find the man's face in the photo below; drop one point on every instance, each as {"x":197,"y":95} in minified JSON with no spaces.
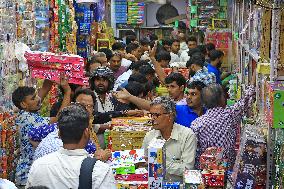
{"x":175,"y":47}
{"x":193,"y":98}
{"x":102,"y":60}
{"x":164,"y":63}
{"x":87,"y":101}
{"x":94,"y":66}
{"x":175,"y":91}
{"x":137,"y":53}
{"x":31,"y":103}
{"x":191,"y":44}
{"x":167,"y":48}
{"x":115,"y":63}
{"x":101,"y":85}
{"x":159,"y":116}
{"x":144,"y":48}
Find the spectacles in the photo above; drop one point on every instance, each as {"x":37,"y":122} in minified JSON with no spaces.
{"x":87,"y":106}
{"x":156,"y":115}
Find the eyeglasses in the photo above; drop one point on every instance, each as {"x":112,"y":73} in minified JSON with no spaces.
{"x":87,"y":106}
{"x":156,"y":115}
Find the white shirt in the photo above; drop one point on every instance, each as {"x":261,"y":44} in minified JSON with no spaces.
{"x":121,"y":79}
{"x":183,"y":47}
{"x":125,"y":63}
{"x":61,"y":169}
{"x":174,"y":58}
{"x":184,"y":56}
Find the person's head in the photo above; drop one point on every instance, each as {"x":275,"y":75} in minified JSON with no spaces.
{"x":135,"y":88}
{"x":115,"y":61}
{"x":144,"y":44}
{"x":119,"y":47}
{"x":195,"y":63}
{"x":164,"y":58}
{"x":38,"y":187}
{"x":91,"y":65}
{"x":73,"y":123}
{"x":130,"y":39}
{"x":175,"y":83}
{"x":192,"y":42}
{"x":193,"y":94}
{"x":162,"y":111}
{"x":87,"y":98}
{"x":101,"y":58}
{"x":167,"y":43}
{"x":136,"y":65}
{"x":209,"y":47}
{"x":194,"y":51}
{"x":216,"y":57}
{"x":26,"y":98}
{"x":148,"y":71}
{"x":102,"y":80}
{"x":175,"y":46}
{"x":138,"y":77}
{"x":202,"y":49}
{"x":107,"y":52}
{"x":212,"y":96}
{"x":181,"y":37}
{"x":134,"y":49}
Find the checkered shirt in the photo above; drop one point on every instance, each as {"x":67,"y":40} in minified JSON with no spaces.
{"x":218,"y":126}
{"x":204,"y":76}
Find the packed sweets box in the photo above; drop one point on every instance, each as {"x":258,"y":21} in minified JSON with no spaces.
{"x":212,"y":158}
{"x":46,"y":65}
{"x":156,"y":163}
{"x":131,"y":121}
{"x":192,"y":179}
{"x":213,"y":177}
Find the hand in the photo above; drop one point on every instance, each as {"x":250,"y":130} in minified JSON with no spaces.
{"x":64,"y":83}
{"x":135,"y":113}
{"x":123,"y":94}
{"x":131,"y":57}
{"x":103,"y":155}
{"x":153,"y":52}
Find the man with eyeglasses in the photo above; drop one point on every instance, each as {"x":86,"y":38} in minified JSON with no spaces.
{"x":180,"y":143}
{"x":52,"y":142}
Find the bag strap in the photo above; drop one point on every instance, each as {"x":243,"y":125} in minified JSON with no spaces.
{"x":86,"y":171}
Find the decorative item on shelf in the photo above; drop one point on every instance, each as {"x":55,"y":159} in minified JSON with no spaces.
{"x":274,"y":108}
{"x":135,"y":12}
{"x":266,"y":35}
{"x":156,"y":163}
{"x":121,"y":11}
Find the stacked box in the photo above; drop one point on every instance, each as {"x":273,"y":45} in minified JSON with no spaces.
{"x":128,"y":133}
{"x":192,"y":179}
{"x":171,"y":185}
{"x":156,"y":163}
{"x":275,"y":104}
{"x":212,"y":158}
{"x":46,"y":65}
{"x":213,"y":177}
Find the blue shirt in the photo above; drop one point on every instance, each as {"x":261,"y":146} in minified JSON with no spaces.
{"x":217,"y":73}
{"x":185,"y":115}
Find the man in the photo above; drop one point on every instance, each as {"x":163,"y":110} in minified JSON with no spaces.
{"x":163,"y":58}
{"x":61,"y":169}
{"x":115,"y":65}
{"x":216,"y":57}
{"x":148,"y":72}
{"x":175,"y":56}
{"x":197,"y":70}
{"x":191,"y":44}
{"x":134,"y":49}
{"x":175,"y":83}
{"x":120,"y":47}
{"x":29,"y":103}
{"x":193,"y":109}
{"x":144,"y":46}
{"x":52,"y":142}
{"x":180,"y":143}
{"x":167,"y":44}
{"x":101,"y":82}
{"x":218,"y":126}
{"x":183,"y":45}
{"x":99,"y":59}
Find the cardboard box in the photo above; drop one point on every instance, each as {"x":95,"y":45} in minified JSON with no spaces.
{"x":171,"y":185}
{"x":131,"y":121}
{"x":156,"y":163}
{"x":212,"y":159}
{"x":192,"y":179}
{"x":132,"y":177}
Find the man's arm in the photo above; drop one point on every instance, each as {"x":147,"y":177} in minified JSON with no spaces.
{"x":159,"y":70}
{"x":43,"y":91}
{"x":187,"y":160}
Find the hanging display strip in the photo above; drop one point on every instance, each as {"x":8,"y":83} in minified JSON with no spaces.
{"x":250,"y":166}
{"x":209,"y":14}
{"x":266,"y":33}
{"x":281,"y":43}
{"x":135,"y":13}
{"x":121,"y":11}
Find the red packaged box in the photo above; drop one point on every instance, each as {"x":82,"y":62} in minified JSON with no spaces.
{"x":212,"y":158}
{"x":132,"y":177}
{"x":213,"y":177}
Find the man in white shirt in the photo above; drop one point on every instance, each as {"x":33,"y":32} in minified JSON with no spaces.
{"x":61,"y":169}
{"x":191,"y":44}
{"x":175,"y":56}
